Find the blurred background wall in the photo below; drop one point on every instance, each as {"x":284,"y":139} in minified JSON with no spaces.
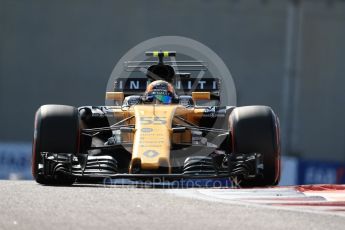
{"x":289,"y":55}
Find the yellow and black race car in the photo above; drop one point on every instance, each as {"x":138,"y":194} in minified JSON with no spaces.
{"x":159,"y":133}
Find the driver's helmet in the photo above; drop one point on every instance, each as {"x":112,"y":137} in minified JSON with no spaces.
{"x":161,"y":92}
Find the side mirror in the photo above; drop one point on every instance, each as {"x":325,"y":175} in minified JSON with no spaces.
{"x":201,"y":96}
{"x":116,"y":96}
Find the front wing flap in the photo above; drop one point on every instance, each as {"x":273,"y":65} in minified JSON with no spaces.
{"x":101,"y":167}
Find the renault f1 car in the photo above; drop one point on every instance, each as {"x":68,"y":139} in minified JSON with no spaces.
{"x":157,"y":131}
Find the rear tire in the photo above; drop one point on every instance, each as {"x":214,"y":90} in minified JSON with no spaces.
{"x":56,"y":130}
{"x":255,"y":129}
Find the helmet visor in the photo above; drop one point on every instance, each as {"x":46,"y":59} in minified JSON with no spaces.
{"x":165,"y":99}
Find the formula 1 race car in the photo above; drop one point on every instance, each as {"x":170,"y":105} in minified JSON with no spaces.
{"x":157,"y":131}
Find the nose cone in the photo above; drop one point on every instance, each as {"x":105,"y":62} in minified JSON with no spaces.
{"x":152,"y":139}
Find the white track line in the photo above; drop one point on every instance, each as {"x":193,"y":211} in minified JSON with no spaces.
{"x":282,"y":198}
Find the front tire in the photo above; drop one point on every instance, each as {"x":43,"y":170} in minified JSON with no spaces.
{"x":255,"y":129}
{"x":56,"y":130}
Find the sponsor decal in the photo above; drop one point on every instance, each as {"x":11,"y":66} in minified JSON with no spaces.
{"x":146,"y":130}
{"x":139,"y":84}
{"x":150,"y":153}
{"x":319,"y":172}
{"x":15,"y":160}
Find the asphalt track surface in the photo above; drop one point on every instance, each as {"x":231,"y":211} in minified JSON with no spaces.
{"x":27,"y":205}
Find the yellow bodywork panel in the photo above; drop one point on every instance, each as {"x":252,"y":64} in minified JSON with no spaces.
{"x":116,"y":96}
{"x":201,"y":96}
{"x":153,"y":135}
{"x":152,"y":138}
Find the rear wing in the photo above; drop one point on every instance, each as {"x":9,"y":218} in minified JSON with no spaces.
{"x":188,"y":65}
{"x":176,"y":72}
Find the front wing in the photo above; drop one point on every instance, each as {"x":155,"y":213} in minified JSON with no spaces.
{"x":102,"y":167}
